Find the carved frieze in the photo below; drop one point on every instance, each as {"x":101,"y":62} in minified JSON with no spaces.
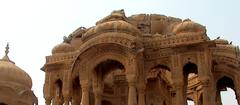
{"x":165,"y":41}
{"x":226,"y":60}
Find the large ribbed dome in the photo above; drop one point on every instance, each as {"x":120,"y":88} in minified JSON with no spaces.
{"x":12,"y":74}
{"x":117,"y":26}
{"x":188,"y":26}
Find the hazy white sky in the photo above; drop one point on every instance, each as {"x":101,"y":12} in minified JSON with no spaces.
{"x":34,"y":27}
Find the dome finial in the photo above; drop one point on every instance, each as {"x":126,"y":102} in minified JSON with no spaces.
{"x":7,"y":49}
{"x":6,"y":58}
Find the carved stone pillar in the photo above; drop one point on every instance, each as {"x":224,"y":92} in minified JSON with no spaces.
{"x":98,"y":95}
{"x":75,"y":99}
{"x":58,"y":96}
{"x":98,"y":98}
{"x":74,"y":102}
{"x":238,"y":96}
{"x":66,"y":94}
{"x":141,"y":95}
{"x":48,"y":101}
{"x":48,"y":89}
{"x":237,"y":89}
{"x":85,"y":93}
{"x":132,"y":97}
{"x":218,"y":98}
{"x":177,"y":92}
{"x":179,"y":96}
{"x":195,"y":97}
{"x":132,"y":94}
{"x":56,"y":101}
{"x":66,"y":100}
{"x":206,"y":77}
{"x":97,"y":86}
{"x":206,"y":92}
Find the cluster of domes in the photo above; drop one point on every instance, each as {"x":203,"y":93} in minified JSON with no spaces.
{"x":134,"y":25}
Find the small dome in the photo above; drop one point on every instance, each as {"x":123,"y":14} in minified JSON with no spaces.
{"x":188,"y":26}
{"x":118,"y":25}
{"x":224,"y":44}
{"x":220,"y":41}
{"x":231,"y":47}
{"x":12,"y":74}
{"x":63,"y":48}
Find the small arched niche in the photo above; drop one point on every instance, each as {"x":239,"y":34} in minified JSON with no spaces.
{"x":58,"y":87}
{"x":190,"y":68}
{"x":58,"y":96}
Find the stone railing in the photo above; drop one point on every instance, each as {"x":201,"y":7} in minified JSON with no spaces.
{"x":62,"y":57}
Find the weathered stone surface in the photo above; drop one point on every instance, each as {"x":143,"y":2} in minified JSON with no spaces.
{"x":144,"y":59}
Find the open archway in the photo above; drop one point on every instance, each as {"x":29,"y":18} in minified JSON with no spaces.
{"x":157,"y":87}
{"x":190,"y":73}
{"x":226,"y":91}
{"x":110,"y":78}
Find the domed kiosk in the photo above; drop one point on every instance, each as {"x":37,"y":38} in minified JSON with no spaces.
{"x":144,"y":59}
{"x":15,"y":84}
